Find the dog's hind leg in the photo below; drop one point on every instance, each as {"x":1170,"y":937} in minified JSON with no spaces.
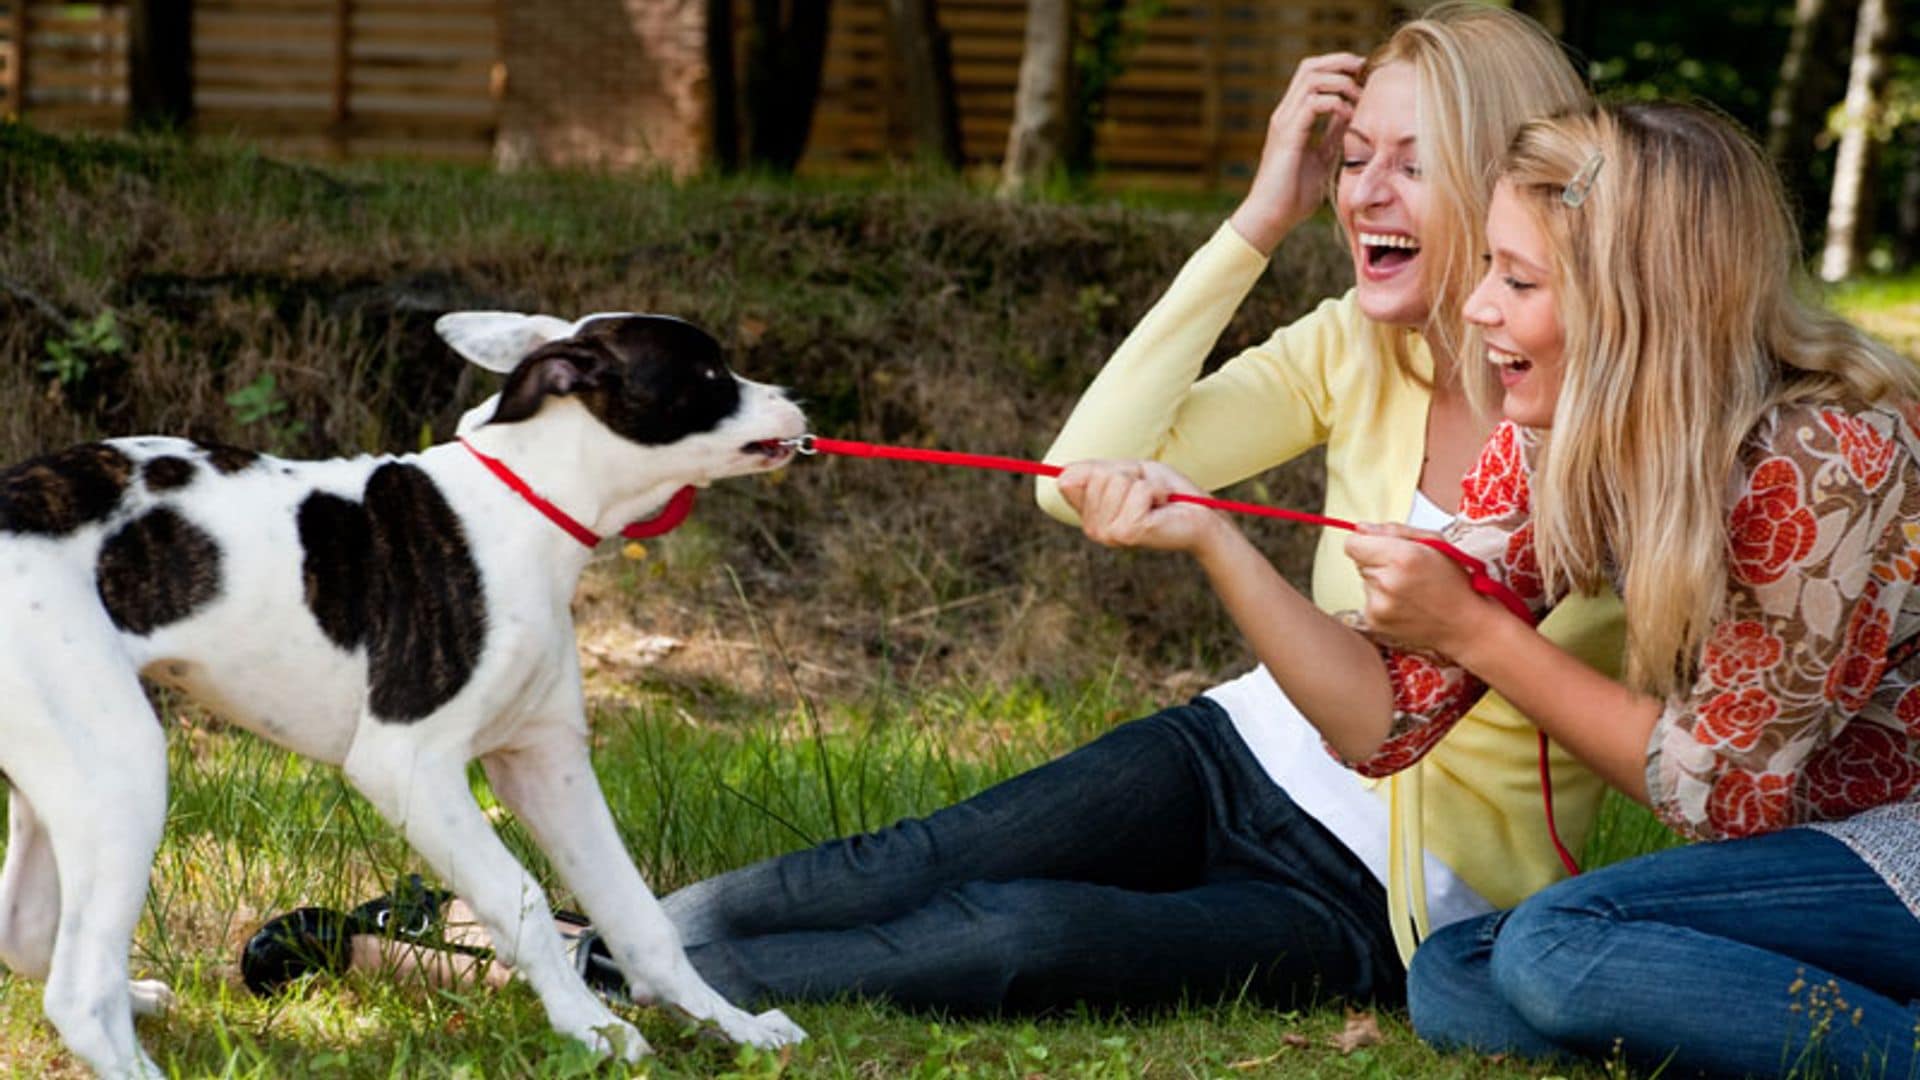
{"x":422,"y":790}
{"x":30,"y":907}
{"x":29,"y":892}
{"x":550,"y":784}
{"x":93,"y":737}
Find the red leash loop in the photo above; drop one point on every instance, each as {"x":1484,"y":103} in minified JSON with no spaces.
{"x":1482,"y":582}
{"x":667,"y":520}
{"x":670,"y":516}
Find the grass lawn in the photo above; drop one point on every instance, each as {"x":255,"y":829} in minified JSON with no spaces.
{"x":702,"y":778}
{"x":1888,"y":307}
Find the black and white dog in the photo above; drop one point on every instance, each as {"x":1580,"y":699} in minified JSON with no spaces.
{"x":396,"y":616}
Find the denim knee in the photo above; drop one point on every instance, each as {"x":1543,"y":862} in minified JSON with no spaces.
{"x":1452,"y":999}
{"x":1545,"y":965}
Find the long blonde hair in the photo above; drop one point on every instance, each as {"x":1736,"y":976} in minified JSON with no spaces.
{"x":1686,"y":315}
{"x":1480,"y":72}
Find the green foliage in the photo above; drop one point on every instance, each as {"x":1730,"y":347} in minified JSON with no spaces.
{"x":1726,"y":52}
{"x":260,"y":405}
{"x":71,"y":358}
{"x":1108,"y":33}
{"x":1901,"y":105}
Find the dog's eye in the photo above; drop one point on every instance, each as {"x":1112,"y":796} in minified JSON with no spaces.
{"x":713,"y":373}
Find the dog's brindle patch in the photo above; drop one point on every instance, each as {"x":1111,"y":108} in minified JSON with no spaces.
{"x":57,"y":493}
{"x":167,"y":473}
{"x":336,"y":540}
{"x":157,"y":569}
{"x":228,"y":459}
{"x":394,"y":573}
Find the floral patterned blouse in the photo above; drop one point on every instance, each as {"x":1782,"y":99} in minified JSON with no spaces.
{"x":1796,"y":715}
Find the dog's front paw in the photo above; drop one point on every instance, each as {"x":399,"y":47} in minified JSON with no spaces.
{"x":615,"y":1038}
{"x":769,"y":1030}
{"x":151,"y":997}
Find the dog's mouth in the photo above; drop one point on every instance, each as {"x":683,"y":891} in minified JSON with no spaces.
{"x":771,"y":449}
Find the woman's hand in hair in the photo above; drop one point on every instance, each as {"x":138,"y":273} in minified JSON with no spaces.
{"x":1302,"y":150}
{"x":1126,"y":504}
{"x":1416,"y":596}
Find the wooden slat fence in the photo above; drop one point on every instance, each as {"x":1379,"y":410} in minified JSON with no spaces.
{"x":349,"y":78}
{"x":1189,"y":110}
{"x":334,"y":78}
{"x":12,"y":15}
{"x":65,"y":65}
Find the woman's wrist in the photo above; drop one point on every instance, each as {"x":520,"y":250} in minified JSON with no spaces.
{"x":1259,"y":226}
{"x":1482,"y":636}
{"x":1218,"y":543}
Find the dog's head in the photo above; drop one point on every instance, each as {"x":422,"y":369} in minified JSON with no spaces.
{"x":652,"y":381}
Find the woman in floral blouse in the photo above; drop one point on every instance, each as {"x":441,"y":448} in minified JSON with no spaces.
{"x":1744,"y":468}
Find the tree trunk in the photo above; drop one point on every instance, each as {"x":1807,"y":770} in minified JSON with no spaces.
{"x":159,"y":64}
{"x":1786,"y":115}
{"x":927,"y":66}
{"x":787,"y":49}
{"x":1812,"y":76}
{"x":723,"y":88}
{"x":1848,"y":212}
{"x":1037,"y":142}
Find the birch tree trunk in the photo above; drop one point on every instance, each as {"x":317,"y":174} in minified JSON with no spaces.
{"x":1037,"y":142}
{"x":1865,"y":80}
{"x":1786,"y":113}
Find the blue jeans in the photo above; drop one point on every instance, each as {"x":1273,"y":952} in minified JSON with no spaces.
{"x":1759,"y":957}
{"x":1154,"y":865}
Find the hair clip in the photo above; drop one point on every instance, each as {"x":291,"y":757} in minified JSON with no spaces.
{"x":1581,"y":185}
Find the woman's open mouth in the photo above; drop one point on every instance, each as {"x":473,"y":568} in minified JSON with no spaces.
{"x":1386,"y":254}
{"x":1513,"y":367}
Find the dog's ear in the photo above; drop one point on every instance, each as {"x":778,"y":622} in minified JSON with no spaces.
{"x":499,"y":340}
{"x":557,"y":368}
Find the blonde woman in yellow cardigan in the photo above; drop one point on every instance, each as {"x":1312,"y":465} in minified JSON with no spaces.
{"x":1162,"y":861}
{"x":1372,"y":376}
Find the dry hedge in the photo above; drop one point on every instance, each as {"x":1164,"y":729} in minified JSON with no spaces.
{"x":208,"y":291}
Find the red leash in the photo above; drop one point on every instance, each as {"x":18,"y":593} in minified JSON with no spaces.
{"x":1476,"y":570}
{"x":1482,"y":582}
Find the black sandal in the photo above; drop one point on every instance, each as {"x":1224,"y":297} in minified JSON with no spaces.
{"x":413,"y":912}
{"x":299,"y":943}
{"x":311,"y":940}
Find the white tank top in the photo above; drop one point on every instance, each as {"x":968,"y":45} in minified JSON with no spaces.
{"x":1351,"y":807}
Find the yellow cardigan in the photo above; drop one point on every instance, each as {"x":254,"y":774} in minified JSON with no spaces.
{"x":1326,"y":379}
